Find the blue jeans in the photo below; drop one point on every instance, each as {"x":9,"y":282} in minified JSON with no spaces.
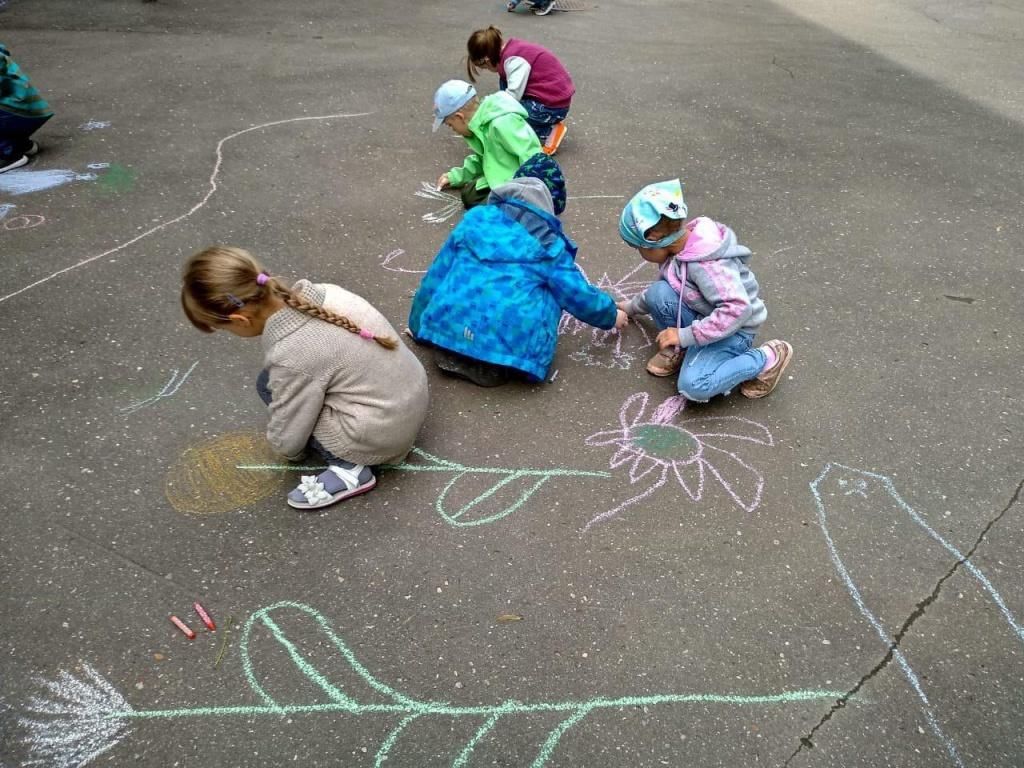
{"x":541,"y":117}
{"x":263,"y":388}
{"x":714,"y":368}
{"x":14,"y":134}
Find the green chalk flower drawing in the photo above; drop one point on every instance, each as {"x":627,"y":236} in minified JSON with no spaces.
{"x":82,"y":718}
{"x":470,"y":513}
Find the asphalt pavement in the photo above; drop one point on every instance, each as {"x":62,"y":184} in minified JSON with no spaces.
{"x":576,"y":573}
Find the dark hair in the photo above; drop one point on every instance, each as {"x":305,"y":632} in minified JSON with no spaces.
{"x":483,"y":45}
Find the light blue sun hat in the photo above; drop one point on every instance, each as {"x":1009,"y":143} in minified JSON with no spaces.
{"x":645,"y":209}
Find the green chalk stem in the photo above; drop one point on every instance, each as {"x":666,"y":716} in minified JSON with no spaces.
{"x":437,"y":464}
{"x":410,"y":709}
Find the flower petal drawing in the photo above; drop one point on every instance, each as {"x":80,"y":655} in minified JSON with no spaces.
{"x":641,"y":466}
{"x":691,"y":478}
{"x":633,"y":409}
{"x":734,"y":428}
{"x":694,"y":449}
{"x":735,"y":474}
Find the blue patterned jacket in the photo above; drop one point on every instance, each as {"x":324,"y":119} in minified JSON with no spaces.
{"x":497,"y":288}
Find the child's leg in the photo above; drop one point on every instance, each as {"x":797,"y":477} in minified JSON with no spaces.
{"x":263,"y":386}
{"x":471,"y":196}
{"x":716,"y":368}
{"x":541,"y":117}
{"x":664,"y":306}
{"x":332,"y":482}
{"x":341,"y":480}
{"x":665,"y":309}
{"x":15,"y":143}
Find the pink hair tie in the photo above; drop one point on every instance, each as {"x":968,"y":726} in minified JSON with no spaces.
{"x":261,"y":278}
{"x":366,"y":334}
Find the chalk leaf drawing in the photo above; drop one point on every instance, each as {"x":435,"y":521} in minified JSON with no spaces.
{"x":478,"y":510}
{"x":83,"y":718}
{"x":872,"y":534}
{"x":170,"y":388}
{"x":451,"y":203}
{"x":654,"y":449}
{"x":602,"y":341}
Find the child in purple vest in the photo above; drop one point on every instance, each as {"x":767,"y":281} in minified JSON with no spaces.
{"x":532,"y":74}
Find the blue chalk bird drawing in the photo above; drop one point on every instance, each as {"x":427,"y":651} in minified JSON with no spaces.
{"x":871,"y":534}
{"x":80,"y":718}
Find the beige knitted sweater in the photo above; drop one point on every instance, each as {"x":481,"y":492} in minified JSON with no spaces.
{"x":362,"y":402}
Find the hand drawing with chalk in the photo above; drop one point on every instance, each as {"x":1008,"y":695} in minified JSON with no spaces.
{"x":655,"y":449}
{"x":613,"y":341}
{"x":78,"y":718}
{"x":452,"y":204}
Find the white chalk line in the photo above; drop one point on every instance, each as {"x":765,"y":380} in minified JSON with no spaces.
{"x":210,"y":192}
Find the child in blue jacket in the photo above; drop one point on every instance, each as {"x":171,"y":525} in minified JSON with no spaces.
{"x":494,"y":294}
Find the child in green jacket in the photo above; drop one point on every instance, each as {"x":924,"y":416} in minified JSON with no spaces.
{"x":494,"y":127}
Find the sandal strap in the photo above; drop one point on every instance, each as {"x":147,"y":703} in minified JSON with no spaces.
{"x":350,"y":477}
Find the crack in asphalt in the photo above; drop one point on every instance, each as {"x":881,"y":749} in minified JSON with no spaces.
{"x":919,"y":610}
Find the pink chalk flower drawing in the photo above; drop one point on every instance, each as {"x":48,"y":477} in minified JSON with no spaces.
{"x":655,"y":450}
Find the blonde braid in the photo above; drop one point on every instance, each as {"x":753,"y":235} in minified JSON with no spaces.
{"x":320,"y":312}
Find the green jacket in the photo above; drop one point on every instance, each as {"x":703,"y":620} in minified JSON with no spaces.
{"x":501,"y":141}
{"x":16,"y":93}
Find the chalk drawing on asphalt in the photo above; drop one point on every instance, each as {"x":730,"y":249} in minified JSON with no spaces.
{"x":76,"y":719}
{"x":21,"y":221}
{"x":450,"y":203}
{"x":397,"y":254}
{"x":489,"y":505}
{"x":852,"y":504}
{"x":655,"y":450}
{"x":212,"y":189}
{"x":19,"y":182}
{"x":169,"y":390}
{"x":608,"y":348}
{"x":93,"y":125}
{"x":204,"y":480}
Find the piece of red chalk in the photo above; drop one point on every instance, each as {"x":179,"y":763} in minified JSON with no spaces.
{"x":185,"y":629}
{"x":204,"y":616}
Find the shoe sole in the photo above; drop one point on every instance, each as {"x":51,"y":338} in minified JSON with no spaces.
{"x":340,"y":496}
{"x":23,"y":160}
{"x":785,"y":358}
{"x":555,"y":139}
{"x":661,"y":373}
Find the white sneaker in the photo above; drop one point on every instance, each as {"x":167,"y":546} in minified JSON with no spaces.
{"x":23,"y":160}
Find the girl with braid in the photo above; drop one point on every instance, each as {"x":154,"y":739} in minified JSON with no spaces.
{"x":336,"y":377}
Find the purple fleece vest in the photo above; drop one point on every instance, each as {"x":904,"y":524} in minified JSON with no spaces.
{"x":549,"y":82}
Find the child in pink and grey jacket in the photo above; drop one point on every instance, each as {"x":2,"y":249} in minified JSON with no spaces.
{"x":705,"y":302}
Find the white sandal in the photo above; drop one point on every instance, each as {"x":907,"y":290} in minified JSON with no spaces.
{"x":329,"y":487}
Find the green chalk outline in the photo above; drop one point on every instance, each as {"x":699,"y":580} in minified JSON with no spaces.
{"x":412,"y":709}
{"x":437,"y":464}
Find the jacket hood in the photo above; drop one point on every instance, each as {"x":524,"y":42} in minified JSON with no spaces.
{"x":718,"y":241}
{"x":519,"y":215}
{"x":494,"y":106}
